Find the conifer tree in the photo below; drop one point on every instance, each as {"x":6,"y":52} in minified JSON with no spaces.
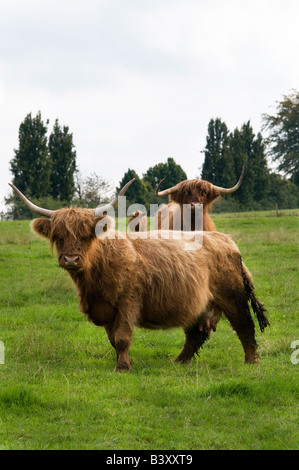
{"x":63,"y":159}
{"x":31,"y":165}
{"x":249,"y":149}
{"x":225,"y":154}
{"x":215,"y":151}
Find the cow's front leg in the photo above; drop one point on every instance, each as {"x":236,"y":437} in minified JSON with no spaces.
{"x":122,"y":338}
{"x":121,"y":329}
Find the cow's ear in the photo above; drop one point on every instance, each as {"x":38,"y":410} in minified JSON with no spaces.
{"x":42,"y":227}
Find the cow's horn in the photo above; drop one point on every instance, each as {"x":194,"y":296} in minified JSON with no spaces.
{"x":30,"y":205}
{"x":111,"y":205}
{"x":166,"y":191}
{"x":234,"y":188}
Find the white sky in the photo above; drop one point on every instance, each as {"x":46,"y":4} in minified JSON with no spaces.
{"x":137,"y":81}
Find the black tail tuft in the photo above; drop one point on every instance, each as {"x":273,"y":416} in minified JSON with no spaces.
{"x":259,"y":310}
{"x":256,"y":305}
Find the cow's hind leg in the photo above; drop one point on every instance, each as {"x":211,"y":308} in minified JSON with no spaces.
{"x":198,"y":333}
{"x":195,"y":339}
{"x":241,"y":321}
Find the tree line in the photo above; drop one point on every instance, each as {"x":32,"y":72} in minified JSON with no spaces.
{"x":262,"y":189}
{"x":225,"y":154}
{"x":45,"y":169}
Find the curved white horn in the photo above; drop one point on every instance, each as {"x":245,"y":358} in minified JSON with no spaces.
{"x":111,"y":205}
{"x":234,"y":188}
{"x":30,"y":205}
{"x":166,"y":192}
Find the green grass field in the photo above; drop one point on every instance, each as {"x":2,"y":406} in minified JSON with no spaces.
{"x":58,"y":385}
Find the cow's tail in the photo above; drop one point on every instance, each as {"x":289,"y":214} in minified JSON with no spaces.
{"x":256,"y":305}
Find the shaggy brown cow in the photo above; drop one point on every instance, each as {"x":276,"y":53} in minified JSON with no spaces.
{"x":193,"y":192}
{"x":124,"y":281}
{"x":138,"y":222}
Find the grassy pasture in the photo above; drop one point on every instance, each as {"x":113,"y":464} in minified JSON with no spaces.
{"x":58,"y":388}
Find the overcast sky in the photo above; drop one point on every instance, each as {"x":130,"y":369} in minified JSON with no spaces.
{"x":137,"y":81}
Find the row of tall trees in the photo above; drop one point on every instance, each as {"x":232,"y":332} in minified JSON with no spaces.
{"x":225,"y":154}
{"x":44,"y":167}
{"x":262,"y":188}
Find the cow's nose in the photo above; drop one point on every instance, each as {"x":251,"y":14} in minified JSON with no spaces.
{"x":70,"y":260}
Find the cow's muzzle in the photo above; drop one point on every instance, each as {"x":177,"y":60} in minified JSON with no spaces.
{"x":70,"y":262}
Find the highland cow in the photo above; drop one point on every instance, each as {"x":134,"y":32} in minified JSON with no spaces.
{"x":124,"y":281}
{"x":194,"y":193}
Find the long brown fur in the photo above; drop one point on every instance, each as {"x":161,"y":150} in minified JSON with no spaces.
{"x":125,"y":280}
